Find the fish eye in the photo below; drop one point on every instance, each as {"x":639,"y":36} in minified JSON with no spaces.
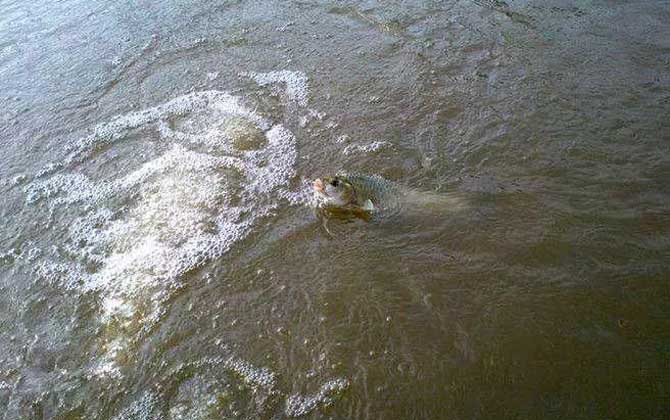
{"x":335,"y":182}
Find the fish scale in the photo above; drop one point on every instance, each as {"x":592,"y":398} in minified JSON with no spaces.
{"x":383,"y":193}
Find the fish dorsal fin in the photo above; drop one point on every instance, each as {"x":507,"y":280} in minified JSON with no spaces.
{"x":367,"y":205}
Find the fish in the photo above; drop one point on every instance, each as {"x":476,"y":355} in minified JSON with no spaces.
{"x":367,"y":197}
{"x":356,"y":195}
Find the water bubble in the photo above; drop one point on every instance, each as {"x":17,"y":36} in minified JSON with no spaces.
{"x":372,"y":147}
{"x":299,"y":405}
{"x":295,"y":82}
{"x":141,"y":230}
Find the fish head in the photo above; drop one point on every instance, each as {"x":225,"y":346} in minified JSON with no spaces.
{"x":334,"y":191}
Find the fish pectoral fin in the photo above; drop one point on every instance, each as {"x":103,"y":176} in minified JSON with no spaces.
{"x":324,"y":223}
{"x":368,"y":206}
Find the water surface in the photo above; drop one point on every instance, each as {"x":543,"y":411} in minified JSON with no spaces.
{"x":158,"y":258}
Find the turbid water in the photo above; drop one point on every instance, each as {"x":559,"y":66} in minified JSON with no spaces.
{"x":158,"y":259}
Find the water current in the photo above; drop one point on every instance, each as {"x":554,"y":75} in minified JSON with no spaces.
{"x":159,"y":258}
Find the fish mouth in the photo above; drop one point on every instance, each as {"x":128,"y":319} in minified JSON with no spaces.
{"x":319,"y":187}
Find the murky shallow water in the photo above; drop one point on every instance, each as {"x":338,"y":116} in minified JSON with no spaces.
{"x":158,"y":258}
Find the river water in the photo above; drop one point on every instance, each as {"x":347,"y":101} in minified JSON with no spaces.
{"x":159,"y":259}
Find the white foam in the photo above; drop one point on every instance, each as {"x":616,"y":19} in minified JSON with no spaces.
{"x":34,"y":253}
{"x":216,"y":103}
{"x":137,"y":233}
{"x":366,"y":148}
{"x":9,"y":255}
{"x":146,"y":408}
{"x":205,"y":389}
{"x":299,"y":405}
{"x":17,"y":180}
{"x":107,"y":367}
{"x":143,"y":230}
{"x":295,"y":81}
{"x":257,"y":378}
{"x":195,"y":398}
{"x":68,"y":275}
{"x":303,"y":196}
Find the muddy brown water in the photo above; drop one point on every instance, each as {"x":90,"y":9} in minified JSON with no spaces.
{"x":158,"y":258}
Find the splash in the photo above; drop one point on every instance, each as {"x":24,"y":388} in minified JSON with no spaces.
{"x":295,"y":82}
{"x":372,"y":147}
{"x":224,"y":168}
{"x":216,"y":170}
{"x":207,"y":384}
{"x":299,"y":405}
{"x":146,"y":408}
